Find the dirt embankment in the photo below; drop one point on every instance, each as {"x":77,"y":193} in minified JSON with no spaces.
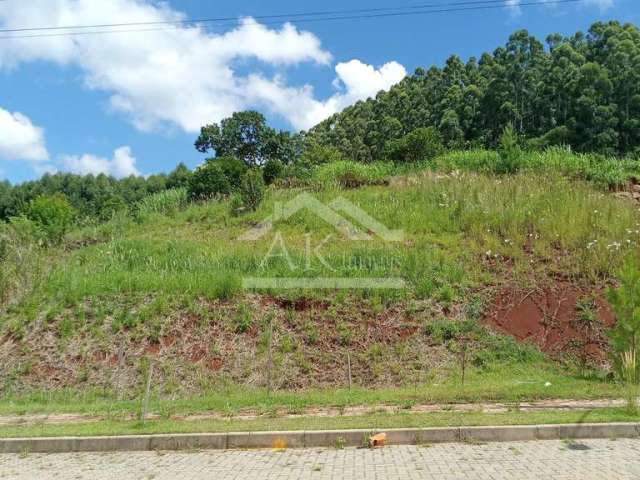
{"x":560,"y":318}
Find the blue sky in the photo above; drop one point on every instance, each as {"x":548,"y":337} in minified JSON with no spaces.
{"x":132,"y":102}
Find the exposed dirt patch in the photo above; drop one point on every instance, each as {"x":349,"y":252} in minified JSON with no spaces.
{"x":195,"y":346}
{"x":559,"y":318}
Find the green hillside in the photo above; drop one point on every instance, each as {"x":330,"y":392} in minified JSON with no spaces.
{"x":483,"y":218}
{"x":166,"y":286}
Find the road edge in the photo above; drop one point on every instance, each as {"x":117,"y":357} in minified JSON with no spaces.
{"x":317,"y":438}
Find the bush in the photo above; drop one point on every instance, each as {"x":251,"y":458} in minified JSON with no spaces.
{"x":319,"y":155}
{"x":179,"y":177}
{"x":53,"y":214}
{"x":110,"y":207}
{"x":421,"y":144}
{"x":625,"y":300}
{"x":234,"y":169}
{"x":208,"y":181}
{"x":509,"y":150}
{"x":272,"y":171}
{"x":252,"y":189}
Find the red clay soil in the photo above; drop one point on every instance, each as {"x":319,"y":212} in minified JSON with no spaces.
{"x":550,"y":318}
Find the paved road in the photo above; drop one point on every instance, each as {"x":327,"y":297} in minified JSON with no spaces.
{"x":592,"y":459}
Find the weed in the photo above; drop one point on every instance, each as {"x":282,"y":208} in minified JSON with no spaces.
{"x":243,"y":320}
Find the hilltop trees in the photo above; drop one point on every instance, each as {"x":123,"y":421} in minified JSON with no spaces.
{"x":91,"y":196}
{"x":583,"y":91}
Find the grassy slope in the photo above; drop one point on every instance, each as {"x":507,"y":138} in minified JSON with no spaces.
{"x":137,"y":280}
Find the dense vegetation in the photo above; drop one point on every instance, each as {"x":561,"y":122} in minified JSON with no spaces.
{"x":502,"y":171}
{"x":95,"y":197}
{"x":166,"y":283}
{"x":582,"y":91}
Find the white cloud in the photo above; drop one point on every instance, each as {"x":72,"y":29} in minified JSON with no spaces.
{"x":355,"y":81}
{"x":514,"y":6}
{"x":22,"y":140}
{"x":183,"y":76}
{"x":515,"y":9}
{"x":123,"y":164}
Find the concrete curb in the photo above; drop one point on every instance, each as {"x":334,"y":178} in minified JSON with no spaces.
{"x":316,"y":438}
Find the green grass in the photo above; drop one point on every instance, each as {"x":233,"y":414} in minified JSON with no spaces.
{"x":608,"y":172}
{"x":465,"y":233}
{"x":450,"y":225}
{"x":499,"y":384}
{"x":370,"y":421}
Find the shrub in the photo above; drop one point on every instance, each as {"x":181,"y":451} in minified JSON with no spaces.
{"x":272,"y":171}
{"x":179,"y":177}
{"x":509,"y":150}
{"x":252,"y":189}
{"x":320,"y":154}
{"x":208,"y":181}
{"x":53,"y":214}
{"x":233,"y":169}
{"x":110,"y":207}
{"x":625,"y":335}
{"x":420,"y":144}
{"x":444,"y":330}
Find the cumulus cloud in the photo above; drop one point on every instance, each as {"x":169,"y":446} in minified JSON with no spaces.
{"x":355,"y":81}
{"x":183,"y":76}
{"x":20,"y":139}
{"x":122,"y":164}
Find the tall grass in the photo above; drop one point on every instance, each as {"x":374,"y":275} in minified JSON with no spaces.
{"x":22,"y":260}
{"x":453,"y":226}
{"x":342,"y":172}
{"x":167,"y":202}
{"x":608,"y":172}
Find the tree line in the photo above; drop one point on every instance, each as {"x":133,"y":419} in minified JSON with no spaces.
{"x":582,"y":91}
{"x":91,"y":196}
